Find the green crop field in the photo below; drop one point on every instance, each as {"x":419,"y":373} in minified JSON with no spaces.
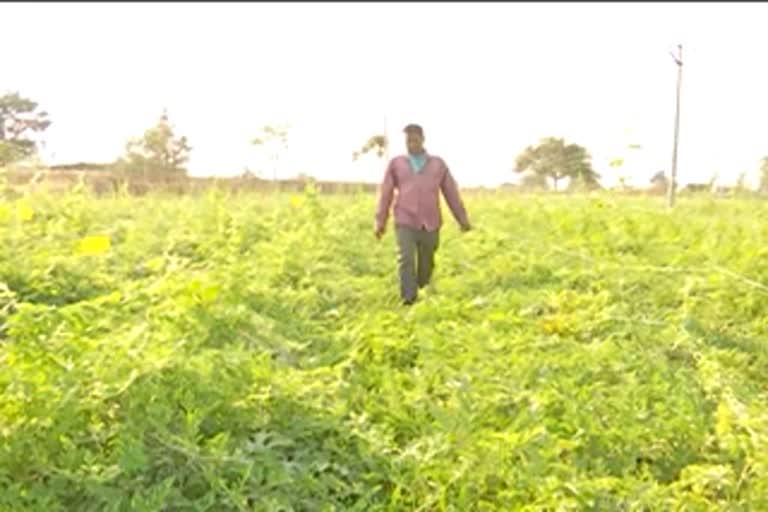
{"x":249,"y":353}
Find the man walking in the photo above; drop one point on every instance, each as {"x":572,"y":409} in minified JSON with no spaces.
{"x":418,"y":177}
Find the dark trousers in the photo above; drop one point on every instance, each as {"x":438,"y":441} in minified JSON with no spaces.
{"x":416,"y":259}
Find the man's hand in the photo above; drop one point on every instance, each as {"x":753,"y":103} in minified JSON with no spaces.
{"x":466,"y":227}
{"x":378,"y":232}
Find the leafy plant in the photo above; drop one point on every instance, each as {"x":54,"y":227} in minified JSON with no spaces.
{"x":375,"y":143}
{"x":225,"y":353}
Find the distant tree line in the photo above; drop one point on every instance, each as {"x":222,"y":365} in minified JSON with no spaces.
{"x":160,"y":151}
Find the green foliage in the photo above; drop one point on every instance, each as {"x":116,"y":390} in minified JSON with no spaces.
{"x":19,"y":117}
{"x":764,"y":175}
{"x":617,"y":164}
{"x":376,"y":143}
{"x":553,"y":159}
{"x":13,"y":151}
{"x":274,"y":140}
{"x":159,"y":151}
{"x":238,"y":353}
{"x":272,"y":133}
{"x":532,"y":181}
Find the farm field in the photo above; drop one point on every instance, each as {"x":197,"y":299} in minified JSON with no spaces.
{"x":221,"y":353}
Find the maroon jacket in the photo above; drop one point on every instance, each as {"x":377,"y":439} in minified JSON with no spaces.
{"x":418,"y":195}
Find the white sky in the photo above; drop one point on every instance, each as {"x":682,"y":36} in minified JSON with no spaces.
{"x":485,"y":80}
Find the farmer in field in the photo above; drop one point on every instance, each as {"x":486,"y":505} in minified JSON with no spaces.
{"x":418,"y":178}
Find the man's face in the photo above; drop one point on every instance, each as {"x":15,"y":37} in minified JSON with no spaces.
{"x":414,"y":142}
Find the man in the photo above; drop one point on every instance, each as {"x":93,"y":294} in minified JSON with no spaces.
{"x":418,"y":177}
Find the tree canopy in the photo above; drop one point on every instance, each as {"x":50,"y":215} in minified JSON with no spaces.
{"x":19,"y":118}
{"x":159,"y":151}
{"x":274,"y":139}
{"x":553,"y":159}
{"x":375,"y":143}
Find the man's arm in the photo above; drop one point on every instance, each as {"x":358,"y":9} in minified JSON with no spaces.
{"x":451,"y":193}
{"x":386,"y":193}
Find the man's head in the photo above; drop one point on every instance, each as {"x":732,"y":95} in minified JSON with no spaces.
{"x":414,"y":138}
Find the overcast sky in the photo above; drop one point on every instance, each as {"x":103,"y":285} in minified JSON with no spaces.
{"x":485,"y":80}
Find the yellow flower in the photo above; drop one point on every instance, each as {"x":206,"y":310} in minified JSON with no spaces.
{"x":92,"y":245}
{"x":25,"y":212}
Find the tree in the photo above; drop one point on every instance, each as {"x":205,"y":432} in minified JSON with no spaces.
{"x":377,"y":143}
{"x":618,"y":164}
{"x":553,"y":159}
{"x":532,"y":181}
{"x":625,"y":151}
{"x":159,"y":151}
{"x":274,"y":138}
{"x":712,"y":183}
{"x":19,"y":117}
{"x":764,"y":175}
{"x":741,"y":183}
{"x":660,"y":181}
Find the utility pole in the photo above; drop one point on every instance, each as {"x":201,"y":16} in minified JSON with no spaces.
{"x":673,"y":181}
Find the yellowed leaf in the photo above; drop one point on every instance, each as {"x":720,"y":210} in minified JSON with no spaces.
{"x":155,"y":264}
{"x":209,"y":293}
{"x":94,"y":245}
{"x":26,"y":213}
